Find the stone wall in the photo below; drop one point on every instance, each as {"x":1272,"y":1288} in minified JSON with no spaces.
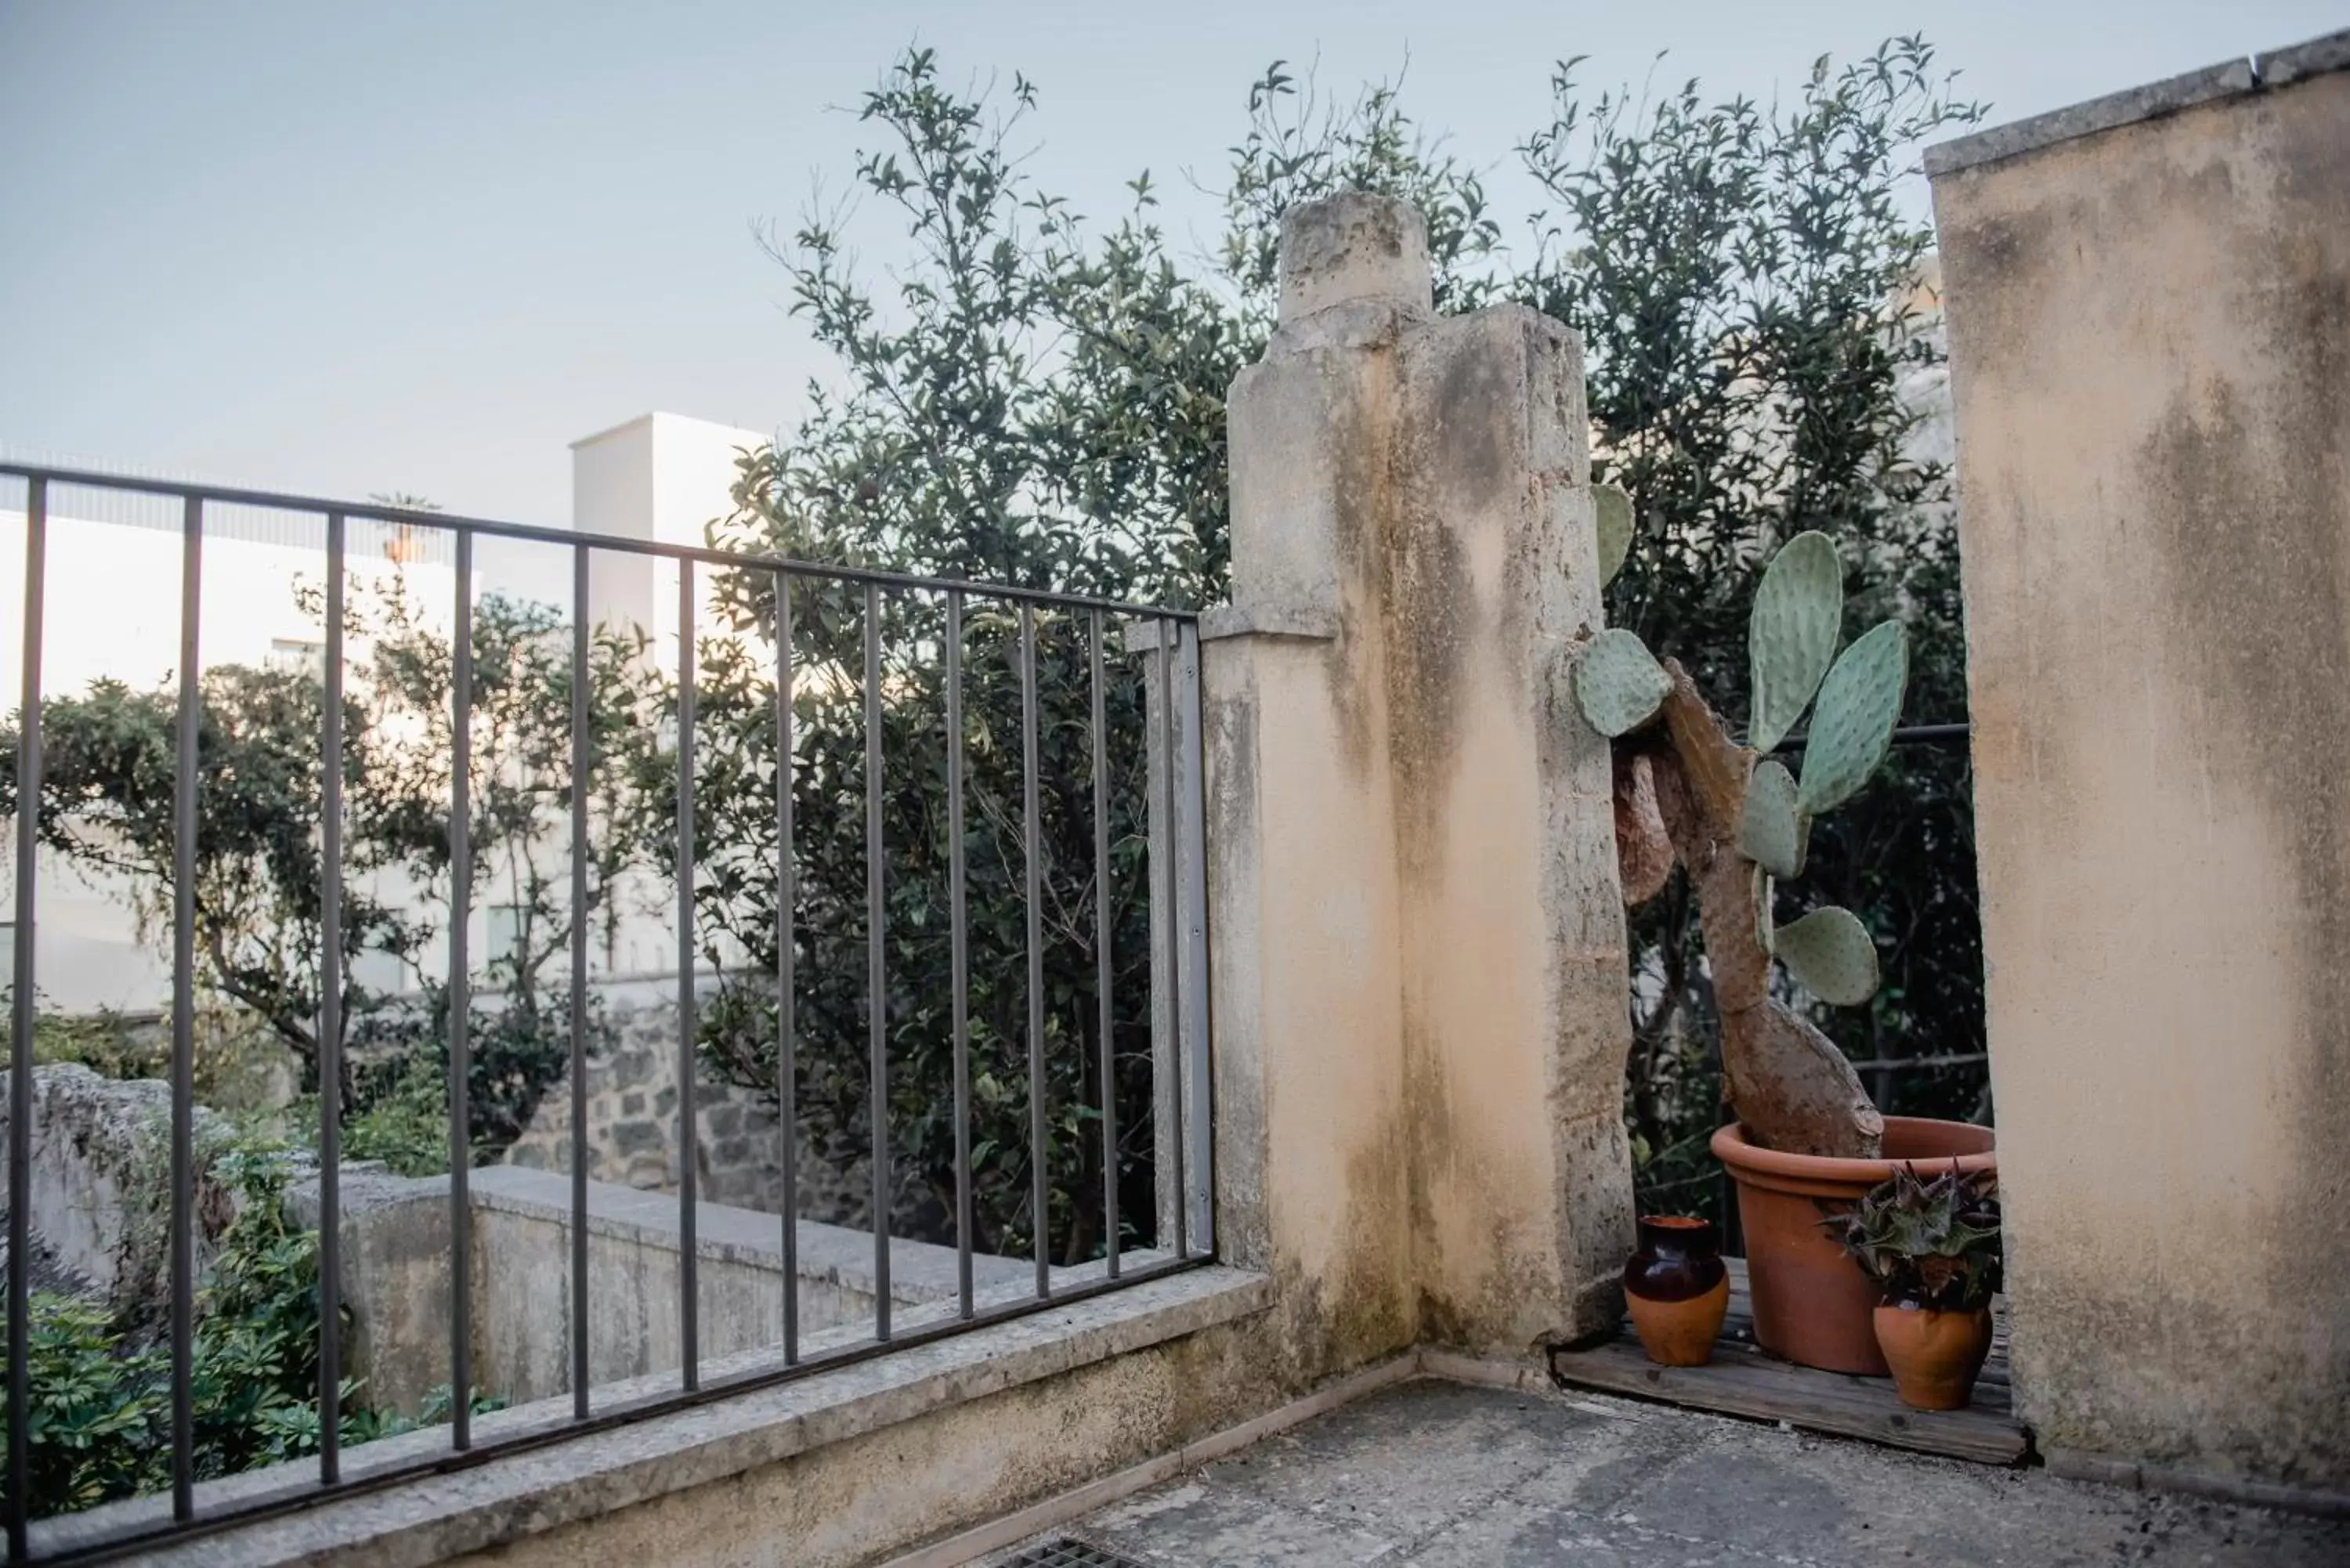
{"x":2149,"y":316}
{"x":101,"y":1181}
{"x":633,"y":1128}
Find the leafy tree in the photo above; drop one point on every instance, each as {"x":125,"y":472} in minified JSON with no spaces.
{"x":1043,"y":406}
{"x":107,"y":806}
{"x":1028,"y":399}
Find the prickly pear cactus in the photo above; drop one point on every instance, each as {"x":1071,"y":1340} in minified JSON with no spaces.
{"x":1831,"y":955}
{"x":1860,"y":701}
{"x":1614,"y":510}
{"x":1772,"y":832}
{"x":1739,"y":823}
{"x":1790,"y":634}
{"x":1619,"y":685}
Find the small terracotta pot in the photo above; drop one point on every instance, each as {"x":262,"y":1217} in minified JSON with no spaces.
{"x":1812,"y":1302}
{"x":1678,"y":1288}
{"x":1935,"y":1356}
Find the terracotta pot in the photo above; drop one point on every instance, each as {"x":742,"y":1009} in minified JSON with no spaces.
{"x":1812,"y":1304}
{"x":1935,"y":1356}
{"x":1678,"y":1288}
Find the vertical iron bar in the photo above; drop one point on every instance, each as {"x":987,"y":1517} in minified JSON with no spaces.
{"x":1039,"y":1197}
{"x":787,"y":1063}
{"x":1102,"y":967}
{"x":582,"y":777}
{"x":688,"y":1305}
{"x":1168,"y":772}
{"x":960,"y":941}
{"x":183,"y":1021}
{"x":877,"y":964}
{"x":20,"y":1060}
{"x":330,"y":1023}
{"x":460,"y":1004}
{"x":1192,"y":857}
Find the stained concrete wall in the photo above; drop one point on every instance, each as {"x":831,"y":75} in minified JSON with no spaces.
{"x":2149,"y":318}
{"x":1417,"y":938}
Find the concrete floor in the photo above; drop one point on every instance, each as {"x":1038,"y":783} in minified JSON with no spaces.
{"x":1439,"y":1475}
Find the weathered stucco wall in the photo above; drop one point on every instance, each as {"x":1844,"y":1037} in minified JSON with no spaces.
{"x":1418,"y":943}
{"x":2149,"y":315}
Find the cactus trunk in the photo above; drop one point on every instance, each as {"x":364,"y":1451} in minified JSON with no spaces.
{"x":1790,"y":1086}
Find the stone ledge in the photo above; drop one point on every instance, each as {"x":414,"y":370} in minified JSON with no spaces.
{"x":1217,"y":622}
{"x":2274,"y":68}
{"x":429,"y":1518}
{"x":919,"y":1271}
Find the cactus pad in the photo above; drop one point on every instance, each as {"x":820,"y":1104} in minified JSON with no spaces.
{"x":1831,"y":955}
{"x":1860,"y":701}
{"x":1766,"y":889}
{"x":1790,"y":633}
{"x":1619,"y":685}
{"x":1770,"y":831}
{"x":1614,"y":510}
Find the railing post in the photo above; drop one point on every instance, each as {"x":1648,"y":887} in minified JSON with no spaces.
{"x":184,"y":1015}
{"x":22,"y":1015}
{"x":330,"y":1020}
{"x":582,"y":775}
{"x":461,"y":1002}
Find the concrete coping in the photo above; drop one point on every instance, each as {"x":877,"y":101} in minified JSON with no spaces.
{"x":1217,"y":622}
{"x":432,"y":1517}
{"x":919,"y":1271}
{"x":2254,"y":72}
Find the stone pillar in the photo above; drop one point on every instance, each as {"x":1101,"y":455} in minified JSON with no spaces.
{"x":1418,"y":943}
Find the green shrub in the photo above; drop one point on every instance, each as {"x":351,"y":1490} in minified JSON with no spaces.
{"x":405,"y":1121}
{"x":102,"y":1386}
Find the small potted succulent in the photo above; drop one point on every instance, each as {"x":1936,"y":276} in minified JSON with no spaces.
{"x":1933,"y":1248}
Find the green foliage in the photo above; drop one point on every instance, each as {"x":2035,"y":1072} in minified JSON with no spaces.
{"x":402,"y":1119}
{"x":517,"y":1043}
{"x":100,"y":1426}
{"x":1831,"y":955}
{"x":107,"y":806}
{"x":1933,"y":1244}
{"x":1612,"y":521}
{"x":1742,"y":277}
{"x":1772,"y":832}
{"x":1023,"y":396}
{"x":1618,"y":683}
{"x":1852,"y":728}
{"x":100,"y":1042}
{"x":1791,"y":633}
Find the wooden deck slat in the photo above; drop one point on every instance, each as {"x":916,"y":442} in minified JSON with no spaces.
{"x":1745,"y":1380}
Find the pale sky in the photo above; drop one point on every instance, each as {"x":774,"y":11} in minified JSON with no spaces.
{"x":336,"y":247}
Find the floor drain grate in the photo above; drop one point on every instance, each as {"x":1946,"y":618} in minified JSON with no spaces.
{"x":1067,"y":1554}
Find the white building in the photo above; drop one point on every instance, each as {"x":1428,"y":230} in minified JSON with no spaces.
{"x":112,"y":580}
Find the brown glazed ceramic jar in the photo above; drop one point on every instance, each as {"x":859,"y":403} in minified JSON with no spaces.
{"x":1678,"y":1288}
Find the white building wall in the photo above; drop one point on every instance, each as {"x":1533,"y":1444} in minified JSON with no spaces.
{"x":661,"y":477}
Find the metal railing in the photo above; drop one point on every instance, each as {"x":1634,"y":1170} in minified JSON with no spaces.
{"x":1176,"y":808}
